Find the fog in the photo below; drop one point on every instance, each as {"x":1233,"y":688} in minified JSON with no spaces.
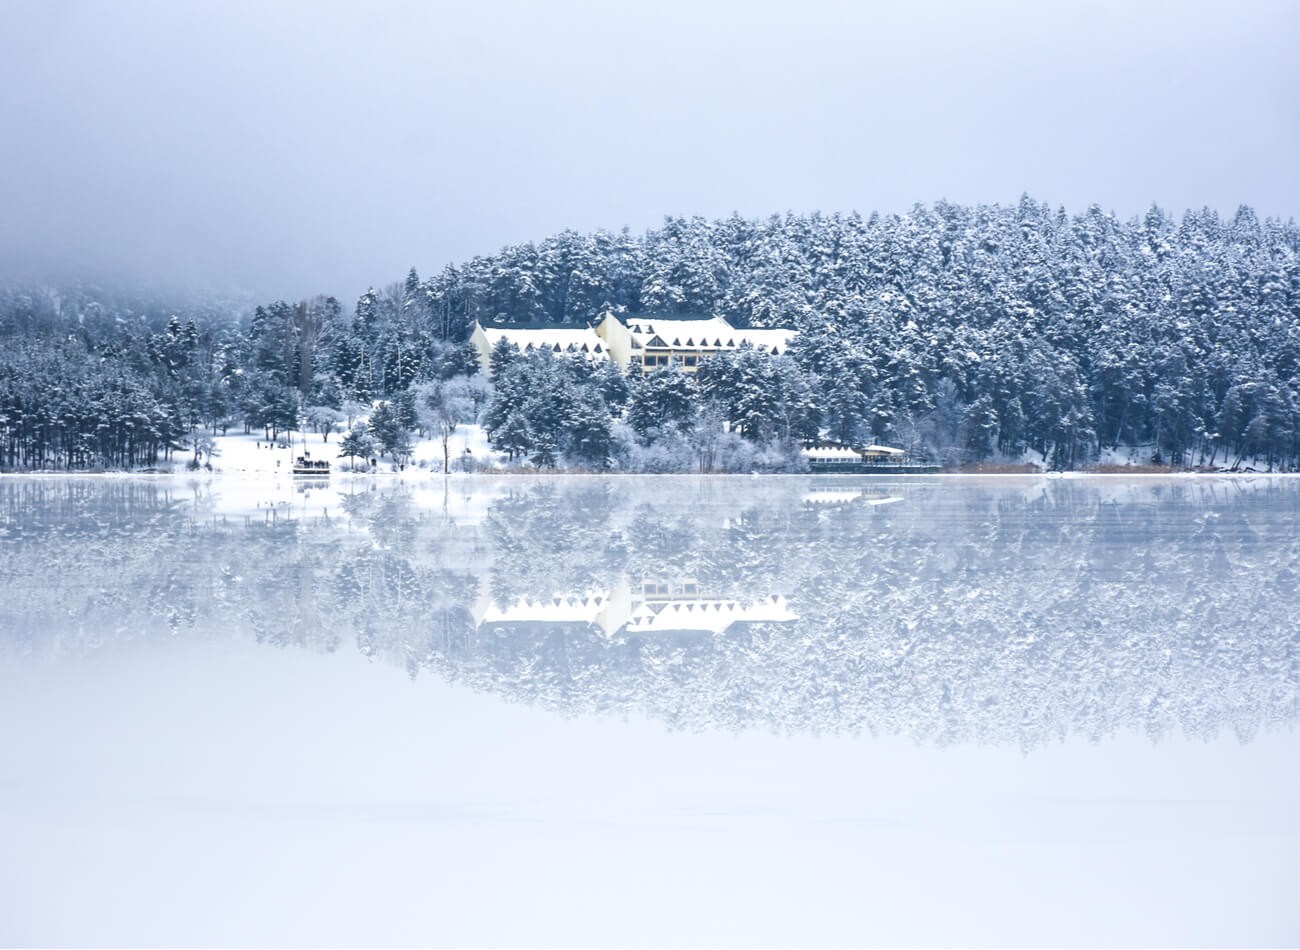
{"x":299,"y":148}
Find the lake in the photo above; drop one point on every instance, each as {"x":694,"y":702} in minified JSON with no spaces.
{"x":670,"y":711}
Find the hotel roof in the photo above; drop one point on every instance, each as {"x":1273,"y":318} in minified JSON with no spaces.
{"x":697,"y":332}
{"x":557,"y":339}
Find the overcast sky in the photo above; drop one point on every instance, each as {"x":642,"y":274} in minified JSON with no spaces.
{"x":295,"y":148}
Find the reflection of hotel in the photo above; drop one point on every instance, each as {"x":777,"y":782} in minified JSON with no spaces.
{"x":639,"y":344}
{"x":834,"y":496}
{"x":652,"y":606}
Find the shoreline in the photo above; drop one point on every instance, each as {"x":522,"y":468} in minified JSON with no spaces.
{"x":251,"y":457}
{"x":426,"y":475}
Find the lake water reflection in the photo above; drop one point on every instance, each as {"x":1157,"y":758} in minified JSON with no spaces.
{"x":898,"y":710}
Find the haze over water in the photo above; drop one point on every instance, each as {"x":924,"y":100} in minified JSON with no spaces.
{"x":673,"y":711}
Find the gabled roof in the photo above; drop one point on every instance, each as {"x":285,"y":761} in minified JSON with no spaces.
{"x":829,"y":453}
{"x":556,"y":339}
{"x":701,"y":332}
{"x":833,"y":452}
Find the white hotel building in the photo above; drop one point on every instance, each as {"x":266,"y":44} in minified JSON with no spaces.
{"x":637,"y":344}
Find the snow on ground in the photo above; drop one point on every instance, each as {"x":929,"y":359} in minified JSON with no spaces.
{"x":257,"y":477}
{"x":466,"y":438}
{"x":1125,"y":455}
{"x":252,"y":454}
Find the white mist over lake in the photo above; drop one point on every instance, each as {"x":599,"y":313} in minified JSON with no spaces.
{"x":1048,"y":711}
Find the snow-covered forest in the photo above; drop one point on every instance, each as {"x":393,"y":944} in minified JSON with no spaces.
{"x":963,"y":333}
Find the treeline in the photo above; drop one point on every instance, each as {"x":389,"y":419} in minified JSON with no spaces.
{"x":91,"y":379}
{"x":964,"y":332}
{"x":743,"y":411}
{"x":968,"y":332}
{"x":94,"y":414}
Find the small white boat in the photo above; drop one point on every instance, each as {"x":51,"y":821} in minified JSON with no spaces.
{"x":306,"y":465}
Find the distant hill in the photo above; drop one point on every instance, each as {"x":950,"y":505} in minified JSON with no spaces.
{"x":968,"y":332}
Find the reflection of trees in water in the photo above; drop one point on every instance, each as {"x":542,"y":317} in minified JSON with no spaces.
{"x":1066,"y":614}
{"x":988,"y":613}
{"x":546,"y":539}
{"x":120,"y":559}
{"x":995,"y":612}
{"x":66,"y":555}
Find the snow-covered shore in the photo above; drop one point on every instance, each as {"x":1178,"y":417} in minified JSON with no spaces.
{"x":239,"y":454}
{"x":252,"y":455}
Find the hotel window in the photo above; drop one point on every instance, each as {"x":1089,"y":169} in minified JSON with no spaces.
{"x":689,"y":360}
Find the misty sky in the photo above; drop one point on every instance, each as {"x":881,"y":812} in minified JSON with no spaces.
{"x":288,"y":149}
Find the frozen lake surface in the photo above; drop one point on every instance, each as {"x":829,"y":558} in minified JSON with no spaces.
{"x":676,"y":711}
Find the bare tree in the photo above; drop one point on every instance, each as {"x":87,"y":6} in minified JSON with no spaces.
{"x":446,"y":403}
